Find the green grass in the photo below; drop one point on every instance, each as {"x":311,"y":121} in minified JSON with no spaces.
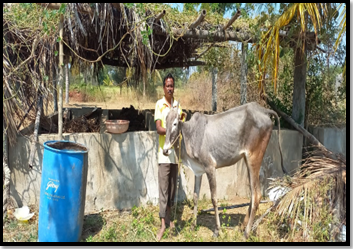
{"x":141,"y":224}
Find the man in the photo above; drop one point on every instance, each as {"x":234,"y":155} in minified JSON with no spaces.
{"x":167,"y":165}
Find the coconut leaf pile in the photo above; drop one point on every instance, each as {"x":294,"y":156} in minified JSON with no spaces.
{"x":315,"y":196}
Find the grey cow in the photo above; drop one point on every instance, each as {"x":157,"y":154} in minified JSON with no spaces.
{"x":214,"y":141}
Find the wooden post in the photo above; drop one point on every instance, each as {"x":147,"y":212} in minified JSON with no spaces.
{"x":52,"y":79}
{"x":214,"y":89}
{"x":6,"y":171}
{"x":67,"y":84}
{"x":244,"y":69}
{"x":61,"y":77}
{"x":36,"y":128}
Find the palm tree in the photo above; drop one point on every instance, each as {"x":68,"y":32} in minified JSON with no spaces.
{"x":268,"y":48}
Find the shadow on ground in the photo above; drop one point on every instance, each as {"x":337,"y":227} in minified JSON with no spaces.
{"x":92,"y":224}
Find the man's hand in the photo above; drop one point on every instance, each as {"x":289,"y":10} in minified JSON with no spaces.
{"x":160,"y":129}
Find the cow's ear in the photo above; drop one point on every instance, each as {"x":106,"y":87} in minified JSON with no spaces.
{"x":183,"y":116}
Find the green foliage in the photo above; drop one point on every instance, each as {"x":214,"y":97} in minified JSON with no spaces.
{"x":110,"y":234}
{"x":145,"y":35}
{"x":325,"y":107}
{"x":134,"y":211}
{"x":89,"y":239}
{"x":253,"y":238}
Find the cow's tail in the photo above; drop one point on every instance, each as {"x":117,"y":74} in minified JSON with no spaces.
{"x":279,"y":144}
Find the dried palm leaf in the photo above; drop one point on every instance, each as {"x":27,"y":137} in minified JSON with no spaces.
{"x":319,"y":183}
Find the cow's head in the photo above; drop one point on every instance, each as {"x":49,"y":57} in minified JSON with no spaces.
{"x":173,"y":127}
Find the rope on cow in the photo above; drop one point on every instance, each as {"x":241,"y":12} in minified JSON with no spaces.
{"x":178,"y":179}
{"x":172,"y":144}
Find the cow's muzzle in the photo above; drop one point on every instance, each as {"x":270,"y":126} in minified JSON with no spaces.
{"x":166,"y":152}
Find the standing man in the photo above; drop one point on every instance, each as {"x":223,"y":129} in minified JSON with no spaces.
{"x":167,"y":166}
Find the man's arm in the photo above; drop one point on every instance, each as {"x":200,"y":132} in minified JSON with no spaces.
{"x":160,"y":129}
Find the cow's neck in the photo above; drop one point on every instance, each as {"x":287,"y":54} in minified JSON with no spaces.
{"x":186,"y":149}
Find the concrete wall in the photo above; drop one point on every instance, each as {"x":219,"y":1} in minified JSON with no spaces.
{"x":333,"y":139}
{"x":122,"y":169}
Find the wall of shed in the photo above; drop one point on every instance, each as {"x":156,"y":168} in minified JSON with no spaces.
{"x":122,"y":169}
{"x":333,"y":139}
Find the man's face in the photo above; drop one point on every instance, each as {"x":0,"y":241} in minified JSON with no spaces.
{"x":169,"y":87}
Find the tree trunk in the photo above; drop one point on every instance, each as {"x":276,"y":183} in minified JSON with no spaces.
{"x":35,"y":133}
{"x":244,"y":71}
{"x":298,"y":112}
{"x":67,"y":83}
{"x":214,"y":89}
{"x":61,"y":79}
{"x":6,"y":171}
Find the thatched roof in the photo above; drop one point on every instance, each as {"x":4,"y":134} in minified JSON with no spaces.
{"x":141,"y":36}
{"x":155,"y":37}
{"x":144,"y":37}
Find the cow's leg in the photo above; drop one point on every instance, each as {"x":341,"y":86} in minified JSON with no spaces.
{"x":211,"y":175}
{"x":197,"y":188}
{"x":255,"y":197}
{"x":246,"y":219}
{"x":253,"y":162}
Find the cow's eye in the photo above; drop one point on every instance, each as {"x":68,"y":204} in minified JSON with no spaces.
{"x":174,"y":124}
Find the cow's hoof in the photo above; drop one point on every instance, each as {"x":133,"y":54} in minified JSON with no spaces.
{"x":246,"y":234}
{"x":215,"y":234}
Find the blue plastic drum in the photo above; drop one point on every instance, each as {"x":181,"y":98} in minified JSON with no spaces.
{"x":62,"y":191}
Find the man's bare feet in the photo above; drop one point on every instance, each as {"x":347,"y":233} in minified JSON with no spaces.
{"x":160,"y":233}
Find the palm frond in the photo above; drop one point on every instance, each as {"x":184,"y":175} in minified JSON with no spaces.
{"x":270,"y":41}
{"x":342,"y":25}
{"x":320,"y":181}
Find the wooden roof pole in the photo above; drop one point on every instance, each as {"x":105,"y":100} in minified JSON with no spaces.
{"x":160,"y":15}
{"x":53,"y":6}
{"x":199,"y":20}
{"x":235,"y":17}
{"x":61,"y":78}
{"x":230,"y":22}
